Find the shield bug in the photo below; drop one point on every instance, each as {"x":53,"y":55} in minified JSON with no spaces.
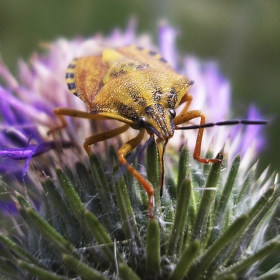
{"x":139,"y":88}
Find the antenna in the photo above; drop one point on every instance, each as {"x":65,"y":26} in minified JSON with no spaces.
{"x":229,"y":122}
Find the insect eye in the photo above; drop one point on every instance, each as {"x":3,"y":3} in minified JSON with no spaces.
{"x":172,"y":112}
{"x":141,"y":122}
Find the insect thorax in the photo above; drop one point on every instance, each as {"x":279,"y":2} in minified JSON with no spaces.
{"x":139,"y":89}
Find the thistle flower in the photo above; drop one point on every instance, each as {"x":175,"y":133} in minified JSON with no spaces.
{"x":211,"y":220}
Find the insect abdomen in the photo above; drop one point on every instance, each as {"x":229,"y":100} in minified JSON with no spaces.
{"x":70,"y":77}
{"x":84,"y":77}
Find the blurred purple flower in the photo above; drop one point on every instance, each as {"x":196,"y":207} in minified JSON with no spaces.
{"x":27,"y":104}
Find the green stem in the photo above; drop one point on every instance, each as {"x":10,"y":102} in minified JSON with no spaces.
{"x":153,"y":249}
{"x":176,"y":236}
{"x":224,"y":198}
{"x":50,"y":233}
{"x":18,"y":250}
{"x":100,"y":235}
{"x":71,"y":194}
{"x":185,"y":261}
{"x":269,"y":248}
{"x":206,"y":202}
{"x":127,"y":215}
{"x":184,"y":167}
{"x":82,"y":269}
{"x":127,"y":273}
{"x":39,"y":272}
{"x":202,"y":263}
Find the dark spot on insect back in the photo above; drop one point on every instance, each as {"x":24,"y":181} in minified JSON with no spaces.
{"x":157,"y":95}
{"x":128,"y":112}
{"x":71,"y":86}
{"x":172,"y":98}
{"x":156,"y":109}
{"x":137,"y":98}
{"x":69,"y":76}
{"x":141,"y":101}
{"x":190,"y":82}
{"x":71,"y":66}
{"x":152,"y":53}
{"x":163,"y":60}
{"x":160,"y":109}
{"x":115,"y":74}
{"x":121,"y":72}
{"x":149,"y":111}
{"x":142,"y":66}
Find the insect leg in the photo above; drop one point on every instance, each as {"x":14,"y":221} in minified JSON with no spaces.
{"x":188,"y":99}
{"x":187,"y":116}
{"x":104,"y":136}
{"x":61,"y":112}
{"x":123,"y":151}
{"x":77,"y":113}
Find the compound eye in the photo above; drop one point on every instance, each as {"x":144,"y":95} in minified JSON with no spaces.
{"x":172,"y":112}
{"x":141,"y":122}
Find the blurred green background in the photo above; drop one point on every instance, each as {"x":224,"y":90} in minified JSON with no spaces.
{"x":243,"y":36}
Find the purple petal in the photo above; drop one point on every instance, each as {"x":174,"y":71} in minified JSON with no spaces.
{"x":22,"y":107}
{"x":218,"y":92}
{"x":8,"y":207}
{"x":167,"y":44}
{"x":40,"y":149}
{"x":30,"y":151}
{"x":25,"y":153}
{"x":253,"y":133}
{"x":8,"y":77}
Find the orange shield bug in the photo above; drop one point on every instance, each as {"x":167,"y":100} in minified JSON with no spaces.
{"x":139,"y":88}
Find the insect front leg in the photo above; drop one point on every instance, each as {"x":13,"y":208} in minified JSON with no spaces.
{"x":123,"y":151}
{"x":187,"y":116}
{"x":104,"y":136}
{"x":187,"y":98}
